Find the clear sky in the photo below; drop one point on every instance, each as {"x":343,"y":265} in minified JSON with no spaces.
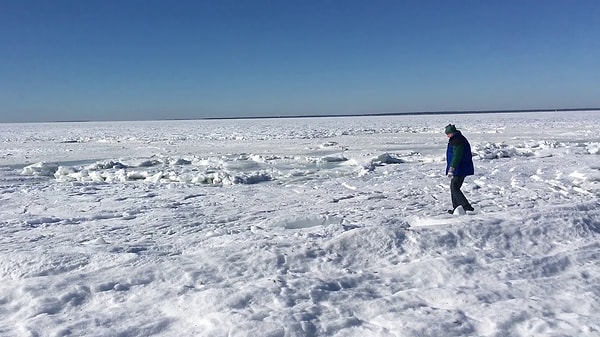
{"x":147,"y":59}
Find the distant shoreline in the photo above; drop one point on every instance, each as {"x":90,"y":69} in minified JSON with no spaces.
{"x":373,"y":114}
{"x":412,"y":113}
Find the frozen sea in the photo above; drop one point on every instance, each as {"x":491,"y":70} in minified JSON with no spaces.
{"x":300,"y":227}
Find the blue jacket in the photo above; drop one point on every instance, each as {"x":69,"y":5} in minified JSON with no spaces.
{"x":459,"y":156}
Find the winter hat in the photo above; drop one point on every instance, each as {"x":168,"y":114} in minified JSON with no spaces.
{"x":450,"y":129}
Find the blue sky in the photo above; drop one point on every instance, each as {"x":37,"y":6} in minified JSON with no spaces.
{"x":145,"y":59}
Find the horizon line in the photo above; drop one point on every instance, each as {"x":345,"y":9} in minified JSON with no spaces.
{"x":370,"y":114}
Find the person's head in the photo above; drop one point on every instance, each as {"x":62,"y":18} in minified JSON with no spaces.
{"x":450,"y":130}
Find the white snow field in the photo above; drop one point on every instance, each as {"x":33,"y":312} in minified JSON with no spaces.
{"x":300,"y":227}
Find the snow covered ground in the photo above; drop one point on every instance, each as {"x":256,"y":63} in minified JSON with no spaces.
{"x":300,"y":227}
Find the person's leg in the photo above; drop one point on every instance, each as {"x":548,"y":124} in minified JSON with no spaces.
{"x":458,"y":198}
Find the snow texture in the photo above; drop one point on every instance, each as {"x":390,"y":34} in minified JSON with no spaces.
{"x":300,"y":227}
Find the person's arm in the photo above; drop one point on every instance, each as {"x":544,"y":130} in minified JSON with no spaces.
{"x":457,"y":153}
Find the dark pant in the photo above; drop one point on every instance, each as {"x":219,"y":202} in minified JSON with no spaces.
{"x":458,"y":198}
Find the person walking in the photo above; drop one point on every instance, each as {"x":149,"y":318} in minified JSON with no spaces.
{"x":459,"y":164}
